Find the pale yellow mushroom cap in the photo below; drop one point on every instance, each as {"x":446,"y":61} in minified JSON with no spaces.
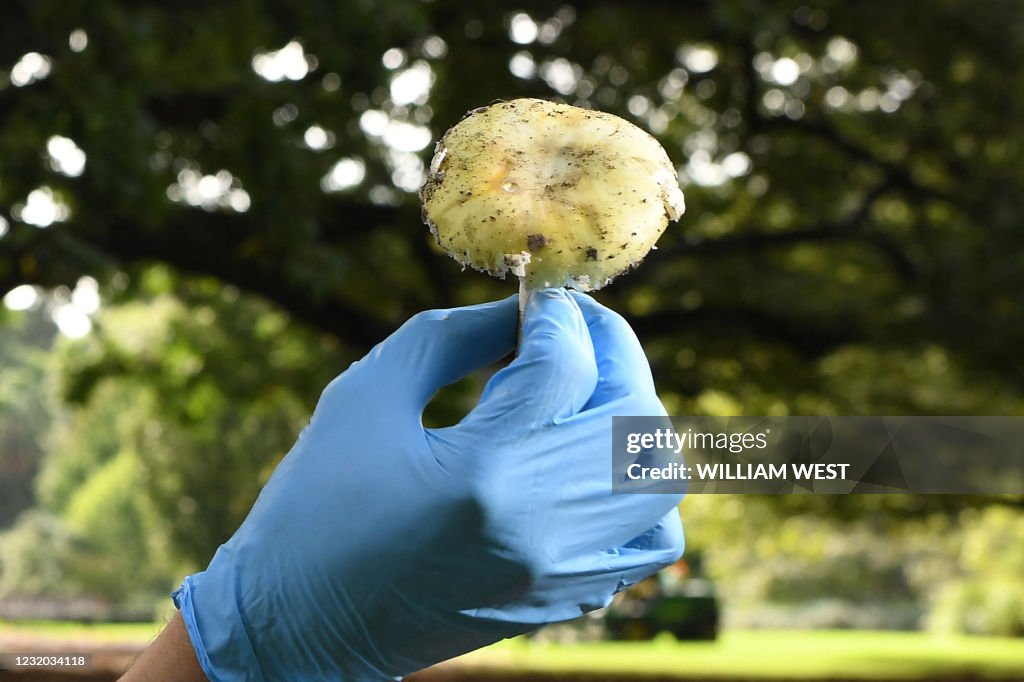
{"x":560,"y":195}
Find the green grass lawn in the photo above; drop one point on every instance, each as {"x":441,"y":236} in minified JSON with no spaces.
{"x":102,"y":632}
{"x":810,"y":654}
{"x":773,"y":654}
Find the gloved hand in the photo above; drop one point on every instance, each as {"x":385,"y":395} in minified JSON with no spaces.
{"x":379,"y":547}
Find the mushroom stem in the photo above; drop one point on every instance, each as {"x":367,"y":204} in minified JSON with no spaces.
{"x":523,"y":296}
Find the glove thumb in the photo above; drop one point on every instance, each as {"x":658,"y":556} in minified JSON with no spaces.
{"x":555,"y":373}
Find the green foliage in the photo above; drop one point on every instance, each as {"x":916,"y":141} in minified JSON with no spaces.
{"x":27,"y":408}
{"x":35,"y":557}
{"x":207,"y":397}
{"x":878,"y":561}
{"x":111,"y":512}
{"x":786,"y":566}
{"x":987,"y":596}
{"x":109,"y":545}
{"x":182,"y":412}
{"x":86,"y":442}
{"x":95,"y":509}
{"x":876,"y":210}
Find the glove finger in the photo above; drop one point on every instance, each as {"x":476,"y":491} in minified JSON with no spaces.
{"x":588,"y":517}
{"x":587,"y":581}
{"x":646,"y":554}
{"x":435,"y":348}
{"x":608,"y":571}
{"x":622,"y":366}
{"x":554,"y":375}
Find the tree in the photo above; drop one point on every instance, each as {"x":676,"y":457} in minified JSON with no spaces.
{"x":197,"y":397}
{"x":873,"y":148}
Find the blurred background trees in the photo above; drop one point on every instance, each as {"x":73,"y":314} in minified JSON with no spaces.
{"x":215,"y":207}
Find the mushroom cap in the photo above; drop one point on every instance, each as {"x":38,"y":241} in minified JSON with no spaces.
{"x":560,"y":195}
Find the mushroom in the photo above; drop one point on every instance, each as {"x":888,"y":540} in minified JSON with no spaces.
{"x":554,"y":194}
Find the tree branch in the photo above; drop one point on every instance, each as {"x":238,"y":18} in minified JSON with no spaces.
{"x":808,"y":341}
{"x":191,"y":241}
{"x":849,"y":228}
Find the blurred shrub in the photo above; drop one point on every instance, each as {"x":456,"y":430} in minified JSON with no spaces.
{"x":809,"y":563}
{"x":190,"y":394}
{"x":36,"y":557}
{"x":987,"y":597}
{"x":181,"y":402}
{"x":28,"y":406}
{"x":109,"y":544}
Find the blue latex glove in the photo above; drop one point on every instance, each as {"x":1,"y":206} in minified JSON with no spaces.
{"x":379,"y":547}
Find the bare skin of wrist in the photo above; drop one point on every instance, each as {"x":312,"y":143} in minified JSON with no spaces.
{"x":169,"y":657}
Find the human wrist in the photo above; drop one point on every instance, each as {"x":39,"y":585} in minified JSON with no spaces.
{"x":170,"y":656}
